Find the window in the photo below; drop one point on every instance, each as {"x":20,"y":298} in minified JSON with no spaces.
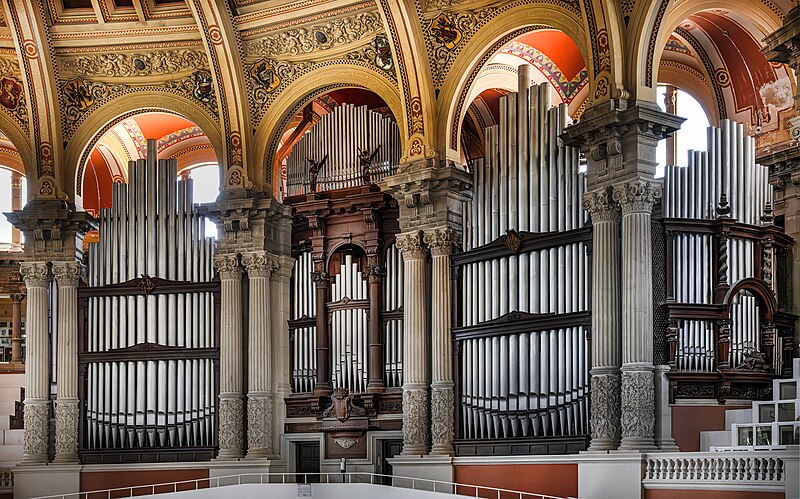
{"x":691,"y":136}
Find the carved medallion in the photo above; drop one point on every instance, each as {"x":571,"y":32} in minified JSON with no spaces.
{"x":513,"y":240}
{"x":444,"y":30}
{"x":264,"y":75}
{"x":383,"y":53}
{"x":203,"y":86}
{"x":10,"y":93}
{"x":77,"y":94}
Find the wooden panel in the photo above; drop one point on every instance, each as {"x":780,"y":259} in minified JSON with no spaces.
{"x":101,"y":480}
{"x":550,"y":479}
{"x":689,"y":420}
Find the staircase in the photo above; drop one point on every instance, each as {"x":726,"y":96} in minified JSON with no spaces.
{"x":768,"y":425}
{"x":11,"y":432}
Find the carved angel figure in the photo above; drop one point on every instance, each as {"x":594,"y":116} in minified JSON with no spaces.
{"x":314,"y":168}
{"x":365,"y":160}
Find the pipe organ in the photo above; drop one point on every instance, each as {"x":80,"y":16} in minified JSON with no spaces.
{"x":148,"y":348}
{"x":304,"y":332}
{"x":349,"y":326}
{"x":523,"y":340}
{"x":393,"y":318}
{"x":336,"y":151}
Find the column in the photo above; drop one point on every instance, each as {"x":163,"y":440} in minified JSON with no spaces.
{"x":259,"y":266}
{"x":415,"y":351}
{"x":16,"y":205}
{"x":606,"y":334}
{"x":636,"y":199}
{"x":375,"y":273}
{"x":67,"y":275}
{"x":16,"y":328}
{"x":37,"y":368}
{"x":281,"y":381}
{"x":441,"y":243}
{"x":321,"y":280}
{"x":231,"y":405}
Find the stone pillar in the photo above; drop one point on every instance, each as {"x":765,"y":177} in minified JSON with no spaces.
{"x":441,"y":244}
{"x":16,"y":205}
{"x":415,"y":348}
{"x":321,"y":280}
{"x":16,"y":328}
{"x":67,"y":275}
{"x":606,"y":333}
{"x":259,"y":266}
{"x":37,"y":387}
{"x":281,"y":381}
{"x":231,"y":405}
{"x":636,"y":199}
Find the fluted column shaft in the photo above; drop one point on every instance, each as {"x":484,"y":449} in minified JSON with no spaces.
{"x":636,"y":199}
{"x":231,"y":405}
{"x":259,"y":266}
{"x":16,"y":328}
{"x":606,"y":333}
{"x":67,"y":275}
{"x":415,"y":352}
{"x":441,"y":244}
{"x":37,"y":368}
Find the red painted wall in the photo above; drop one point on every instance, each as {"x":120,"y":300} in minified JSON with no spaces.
{"x":550,"y":479}
{"x":710,"y":494}
{"x":689,"y":421}
{"x":103,"y":480}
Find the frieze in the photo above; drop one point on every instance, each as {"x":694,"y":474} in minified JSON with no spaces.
{"x":117,"y":65}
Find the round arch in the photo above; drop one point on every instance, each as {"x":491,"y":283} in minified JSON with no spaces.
{"x":22,"y":162}
{"x":686,"y":80}
{"x":301,"y":92}
{"x":661,"y":19}
{"x":112,"y":112}
{"x":451,"y":105}
{"x":759,"y":289}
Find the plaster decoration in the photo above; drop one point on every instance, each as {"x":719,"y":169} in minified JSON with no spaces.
{"x":231,"y":427}
{"x":605,"y":411}
{"x":267,"y":77}
{"x":411,"y":246}
{"x":118,"y":65}
{"x":442,"y":423}
{"x":228,"y":267}
{"x":35,"y":274}
{"x":312,"y":38}
{"x":345,"y":443}
{"x":380,"y":57}
{"x":446,"y":35}
{"x":259,"y":264}
{"x":37,"y":427}
{"x":638,"y":406}
{"x":600,"y":206}
{"x":67,"y":274}
{"x":259,"y":423}
{"x":67,"y":414}
{"x":12,"y":95}
{"x":637,"y":196}
{"x":441,"y":242}
{"x":415,"y":421}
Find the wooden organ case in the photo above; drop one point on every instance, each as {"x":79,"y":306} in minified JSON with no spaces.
{"x":346,"y":307}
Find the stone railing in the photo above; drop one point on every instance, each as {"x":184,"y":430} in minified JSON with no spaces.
{"x":6,"y":480}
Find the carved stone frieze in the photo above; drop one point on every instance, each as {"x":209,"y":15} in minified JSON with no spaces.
{"x":638,"y":409}
{"x":159,"y":62}
{"x":228,"y":267}
{"x":67,"y":414}
{"x":637,"y":196}
{"x":605,"y":411}
{"x":415,"y":421}
{"x":231,"y":427}
{"x":442,"y":425}
{"x":411,"y":246}
{"x":307,"y":39}
{"x":37,"y":427}
{"x":259,"y":426}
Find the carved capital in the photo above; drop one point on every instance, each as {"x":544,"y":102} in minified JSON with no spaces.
{"x":259,"y":264}
{"x":637,"y":196}
{"x":411,"y":245}
{"x":67,"y":274}
{"x":600,"y":206}
{"x":441,"y":241}
{"x":228,"y":267}
{"x":35,"y":274}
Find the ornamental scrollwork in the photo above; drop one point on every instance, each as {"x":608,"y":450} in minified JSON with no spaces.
{"x":162,"y":62}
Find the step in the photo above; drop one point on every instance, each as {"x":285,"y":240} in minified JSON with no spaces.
{"x":733,"y":416}
{"x":13,"y":437}
{"x":710,"y":439}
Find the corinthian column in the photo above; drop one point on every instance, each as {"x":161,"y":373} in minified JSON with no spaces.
{"x":606,"y":334}
{"x":231,"y":405}
{"x":67,"y":275}
{"x":636,"y":199}
{"x":259,"y":267}
{"x":415,"y":353}
{"x":37,"y":368}
{"x":441,"y":244}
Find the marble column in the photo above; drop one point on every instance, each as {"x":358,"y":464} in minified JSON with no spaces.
{"x":441,"y":244}
{"x":37,"y":368}
{"x":16,"y":328}
{"x":16,"y":205}
{"x":231,"y":405}
{"x":636,"y":199}
{"x":415,"y":348}
{"x":259,"y":266}
{"x":67,"y":275}
{"x":606,"y":333}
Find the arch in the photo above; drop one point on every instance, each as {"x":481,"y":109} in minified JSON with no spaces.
{"x":451,"y":106}
{"x":657,"y":22}
{"x":684,"y":78}
{"x":301,"y":92}
{"x":25,"y":163}
{"x":759,"y":289}
{"x":90,"y":131}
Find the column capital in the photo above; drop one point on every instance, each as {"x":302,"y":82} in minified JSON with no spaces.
{"x":441,"y":241}
{"x":35,"y":274}
{"x":259,"y":264}
{"x":601,"y":206}
{"x":411,"y":245}
{"x":17,"y":297}
{"x":67,"y":274}
{"x":637,"y":196}
{"x":228,"y":267}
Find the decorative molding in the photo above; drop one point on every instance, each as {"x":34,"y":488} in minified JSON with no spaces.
{"x":120,"y":65}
